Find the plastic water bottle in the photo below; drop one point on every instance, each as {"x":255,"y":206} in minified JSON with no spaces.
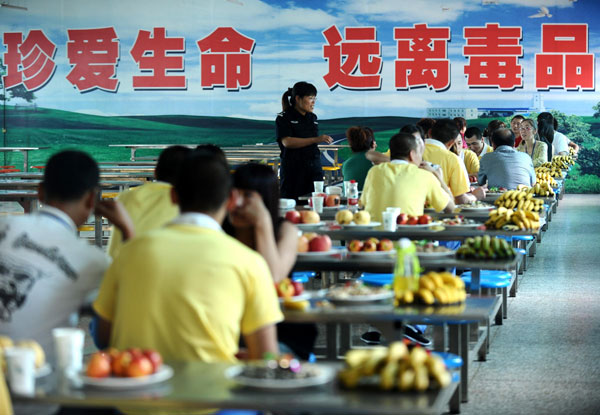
{"x":406,"y":272}
{"x":353,"y":193}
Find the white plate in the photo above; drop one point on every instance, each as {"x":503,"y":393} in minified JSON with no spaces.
{"x":309,"y":225}
{"x":367,"y":225}
{"x":360,"y":299}
{"x":475,"y":208}
{"x":165,"y":372}
{"x":333,"y":251}
{"x":442,"y":254}
{"x":427,"y":225}
{"x":462,"y":225}
{"x":372,"y":254}
{"x":323,"y":375}
{"x":338,"y":207}
{"x":301,"y":297}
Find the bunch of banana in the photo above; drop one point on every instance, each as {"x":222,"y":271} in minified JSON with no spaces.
{"x":520,"y":199}
{"x":572,"y":153}
{"x":484,"y":247}
{"x":542,"y":189}
{"x":526,"y":219}
{"x":507,"y":219}
{"x":563,"y":162}
{"x":442,"y":287}
{"x":397,"y":367}
{"x":545,"y":177}
{"x":550,"y":169}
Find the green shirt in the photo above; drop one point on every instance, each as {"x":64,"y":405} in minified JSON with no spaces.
{"x":356,"y":168}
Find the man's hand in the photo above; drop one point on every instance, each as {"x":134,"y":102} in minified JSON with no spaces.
{"x":324,"y":138}
{"x":115,"y":212}
{"x":479,"y":192}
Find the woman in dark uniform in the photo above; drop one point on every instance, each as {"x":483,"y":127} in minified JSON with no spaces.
{"x":298,"y":138}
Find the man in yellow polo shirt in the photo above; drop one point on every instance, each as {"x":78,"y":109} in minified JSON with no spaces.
{"x":444,"y":133}
{"x":150,"y":205}
{"x":188,"y":290}
{"x":405,"y":181}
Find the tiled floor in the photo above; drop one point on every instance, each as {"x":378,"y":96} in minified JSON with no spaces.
{"x":545,"y":359}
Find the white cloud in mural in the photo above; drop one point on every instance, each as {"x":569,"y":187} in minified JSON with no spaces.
{"x":178,"y":16}
{"x":431,"y":11}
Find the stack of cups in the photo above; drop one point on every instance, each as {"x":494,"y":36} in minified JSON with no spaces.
{"x":21,"y":370}
{"x":68,"y":346}
{"x":319,"y":186}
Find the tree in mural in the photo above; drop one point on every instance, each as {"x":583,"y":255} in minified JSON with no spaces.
{"x":18,"y":91}
{"x":597,"y":109}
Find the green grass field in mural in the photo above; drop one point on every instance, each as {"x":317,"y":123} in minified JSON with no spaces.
{"x":58,"y":130}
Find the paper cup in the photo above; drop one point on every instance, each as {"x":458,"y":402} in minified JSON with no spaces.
{"x":395,"y":210}
{"x":317,"y":203}
{"x":389,"y":221}
{"x":333,"y":190}
{"x":319,"y":186}
{"x":21,"y":370}
{"x":68,"y":345}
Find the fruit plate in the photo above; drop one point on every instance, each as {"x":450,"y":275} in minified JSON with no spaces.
{"x":301,"y":297}
{"x":440,"y":254}
{"x":360,"y":299}
{"x":321,"y":376}
{"x":338,"y":207}
{"x":372,"y":254}
{"x":426,"y":225}
{"x":468,"y":208}
{"x":165,"y":372}
{"x":331,"y":252}
{"x":366,"y":225}
{"x":309,"y":225}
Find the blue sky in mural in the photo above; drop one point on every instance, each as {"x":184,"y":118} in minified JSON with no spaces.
{"x":288,"y":48}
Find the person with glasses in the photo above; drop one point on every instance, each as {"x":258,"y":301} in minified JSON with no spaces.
{"x":531,"y":144}
{"x":298,"y":137}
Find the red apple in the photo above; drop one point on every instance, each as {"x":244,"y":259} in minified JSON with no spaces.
{"x":303,"y":244}
{"x":424,"y":220}
{"x":154,"y":357}
{"x":139,"y":366}
{"x":112,"y":353}
{"x":332,"y":200}
{"x":320,"y":243}
{"x":285,"y":288}
{"x":135,"y":352}
{"x":369,"y":246}
{"x":355,"y":245}
{"x":98,"y":366}
{"x":298,"y":287}
{"x":385,"y":245}
{"x":402,"y":219}
{"x":293,"y":216}
{"x":121,"y":363}
{"x":374,"y":240}
{"x":412,"y":220}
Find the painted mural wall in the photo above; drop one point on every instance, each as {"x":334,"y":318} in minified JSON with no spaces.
{"x":97,"y":72}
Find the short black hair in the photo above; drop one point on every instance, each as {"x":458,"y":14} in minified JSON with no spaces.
{"x":69,"y":175}
{"x":203,"y":184}
{"x":212,"y":149}
{"x":503,"y":137}
{"x":444,"y":130}
{"x":401,"y":145}
{"x":517,"y":117}
{"x":426,"y":124}
{"x":473,"y":131}
{"x":413,"y":128}
{"x":169,"y":163}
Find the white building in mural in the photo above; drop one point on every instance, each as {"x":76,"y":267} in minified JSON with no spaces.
{"x":466,"y":113}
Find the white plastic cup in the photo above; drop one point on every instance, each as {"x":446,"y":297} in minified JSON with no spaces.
{"x":68,"y":346}
{"x":21,"y":369}
{"x":346,"y":188}
{"x":395,"y":210}
{"x":389,"y":221}
{"x":319,"y":186}
{"x":317,"y":203}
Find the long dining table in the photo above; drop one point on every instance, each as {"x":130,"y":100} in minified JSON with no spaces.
{"x":196,"y":386}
